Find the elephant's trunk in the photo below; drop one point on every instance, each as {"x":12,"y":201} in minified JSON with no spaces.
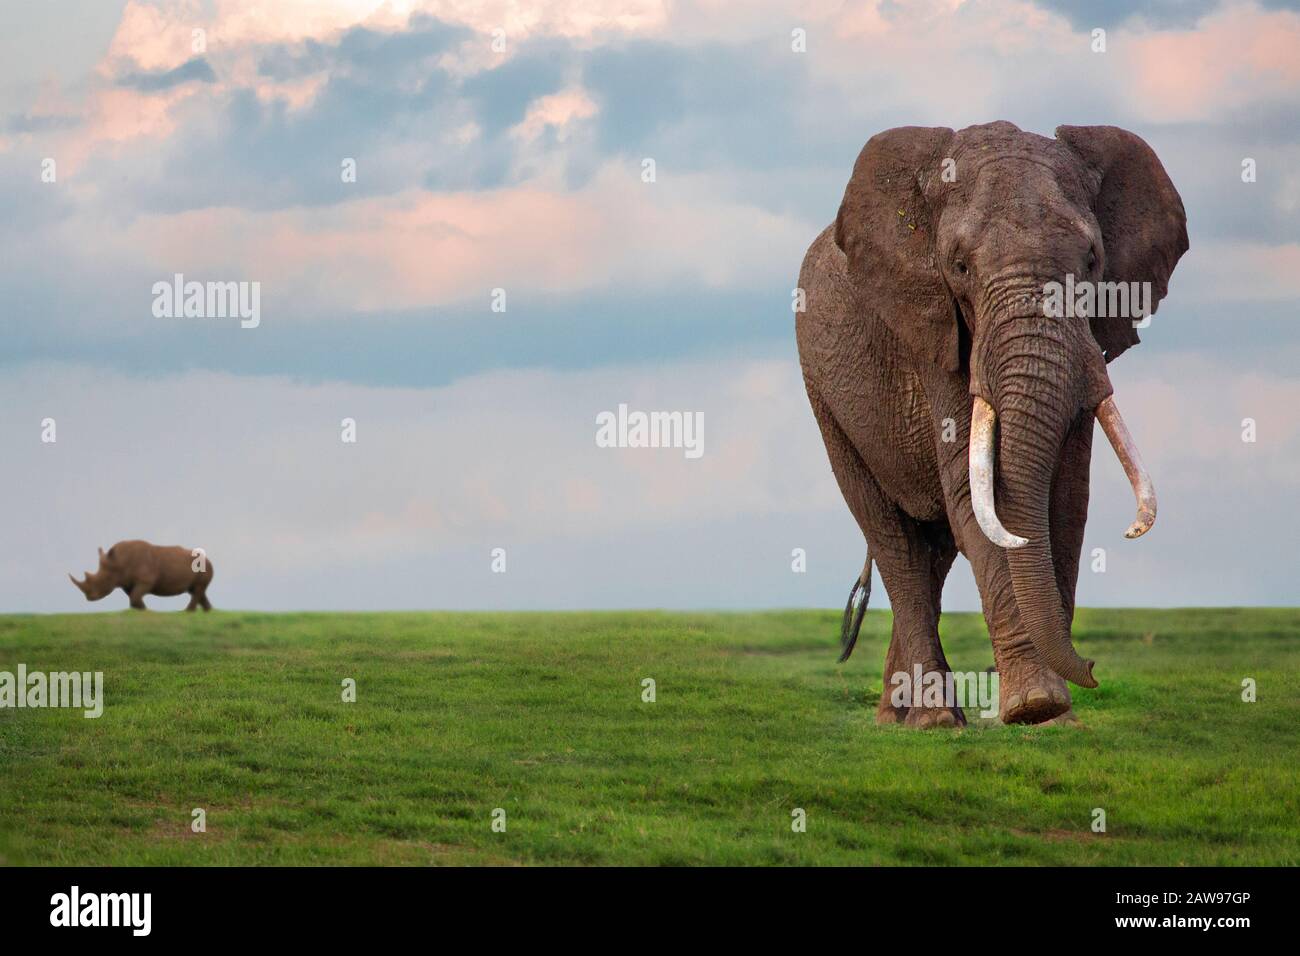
{"x":1026,"y":508}
{"x":1029,"y":554}
{"x":1036,"y":390}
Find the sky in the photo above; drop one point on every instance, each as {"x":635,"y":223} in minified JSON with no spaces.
{"x":499,"y":151}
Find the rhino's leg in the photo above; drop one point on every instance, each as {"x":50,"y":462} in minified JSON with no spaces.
{"x":137,"y":596}
{"x":194,"y":601}
{"x":201,"y":595}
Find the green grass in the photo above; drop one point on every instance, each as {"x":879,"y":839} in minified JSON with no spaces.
{"x":541,"y":715}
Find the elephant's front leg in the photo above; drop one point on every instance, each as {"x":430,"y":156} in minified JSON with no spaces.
{"x":914,"y":571}
{"x":913,"y":559}
{"x":1029,"y":691}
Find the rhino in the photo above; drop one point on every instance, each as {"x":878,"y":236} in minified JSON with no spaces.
{"x":140,"y":568}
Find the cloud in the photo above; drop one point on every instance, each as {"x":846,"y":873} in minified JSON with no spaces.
{"x":421,"y":249}
{"x":1184,"y":75}
{"x":1240,"y":272}
{"x":521,"y":169}
{"x":196,"y":70}
{"x":1223,"y":533}
{"x":1160,"y":14}
{"x":478,"y":170}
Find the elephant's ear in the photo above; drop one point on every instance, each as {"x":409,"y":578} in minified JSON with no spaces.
{"x":1143,"y":225}
{"x":886,"y":229}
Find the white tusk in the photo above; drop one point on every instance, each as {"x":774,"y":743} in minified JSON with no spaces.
{"x":1112,"y":423}
{"x":982,"y":422}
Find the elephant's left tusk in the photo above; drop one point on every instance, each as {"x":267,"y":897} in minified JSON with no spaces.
{"x":1112,"y":423}
{"x":982,"y":422}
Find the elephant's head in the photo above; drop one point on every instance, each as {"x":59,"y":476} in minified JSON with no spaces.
{"x":100,"y":583}
{"x":953,"y":239}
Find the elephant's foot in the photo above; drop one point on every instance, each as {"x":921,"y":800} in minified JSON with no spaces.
{"x":928,"y":718}
{"x":922,"y":718}
{"x":1030,"y":693}
{"x":900,"y":704}
{"x":885,"y":714}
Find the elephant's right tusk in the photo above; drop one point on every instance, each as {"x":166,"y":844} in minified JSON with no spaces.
{"x":982,"y":422}
{"x":1112,"y":423}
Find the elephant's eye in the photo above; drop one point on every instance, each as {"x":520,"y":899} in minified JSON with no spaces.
{"x":1092,"y":260}
{"x":960,"y":267}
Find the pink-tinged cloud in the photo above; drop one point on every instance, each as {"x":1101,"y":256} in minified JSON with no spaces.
{"x":157,"y":37}
{"x":558,"y":112}
{"x":1234,"y":57}
{"x":419,"y":249}
{"x":1238,"y":272}
{"x":1188,"y":432}
{"x":570,"y":18}
{"x":160,"y":36}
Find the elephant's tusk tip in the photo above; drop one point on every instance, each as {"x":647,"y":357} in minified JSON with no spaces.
{"x":1140,"y":526}
{"x":1005,"y":539}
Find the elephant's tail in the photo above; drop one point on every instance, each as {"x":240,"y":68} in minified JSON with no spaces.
{"x":852,"y":622}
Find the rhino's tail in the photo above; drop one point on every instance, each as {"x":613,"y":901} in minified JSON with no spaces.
{"x":853,"y":613}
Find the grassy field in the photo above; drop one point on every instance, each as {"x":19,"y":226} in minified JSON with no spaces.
{"x":541,"y":715}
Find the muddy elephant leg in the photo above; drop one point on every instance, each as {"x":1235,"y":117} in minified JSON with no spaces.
{"x":913,"y":566}
{"x":1029,"y":690}
{"x":201,"y":594}
{"x":194,"y":601}
{"x":912,"y":559}
{"x":137,"y":594}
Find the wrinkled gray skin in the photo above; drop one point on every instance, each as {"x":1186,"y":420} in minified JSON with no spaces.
{"x":140,"y":568}
{"x":925,"y":293}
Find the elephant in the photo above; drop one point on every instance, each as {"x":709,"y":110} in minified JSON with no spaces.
{"x":955,"y":406}
{"x":140,"y":568}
